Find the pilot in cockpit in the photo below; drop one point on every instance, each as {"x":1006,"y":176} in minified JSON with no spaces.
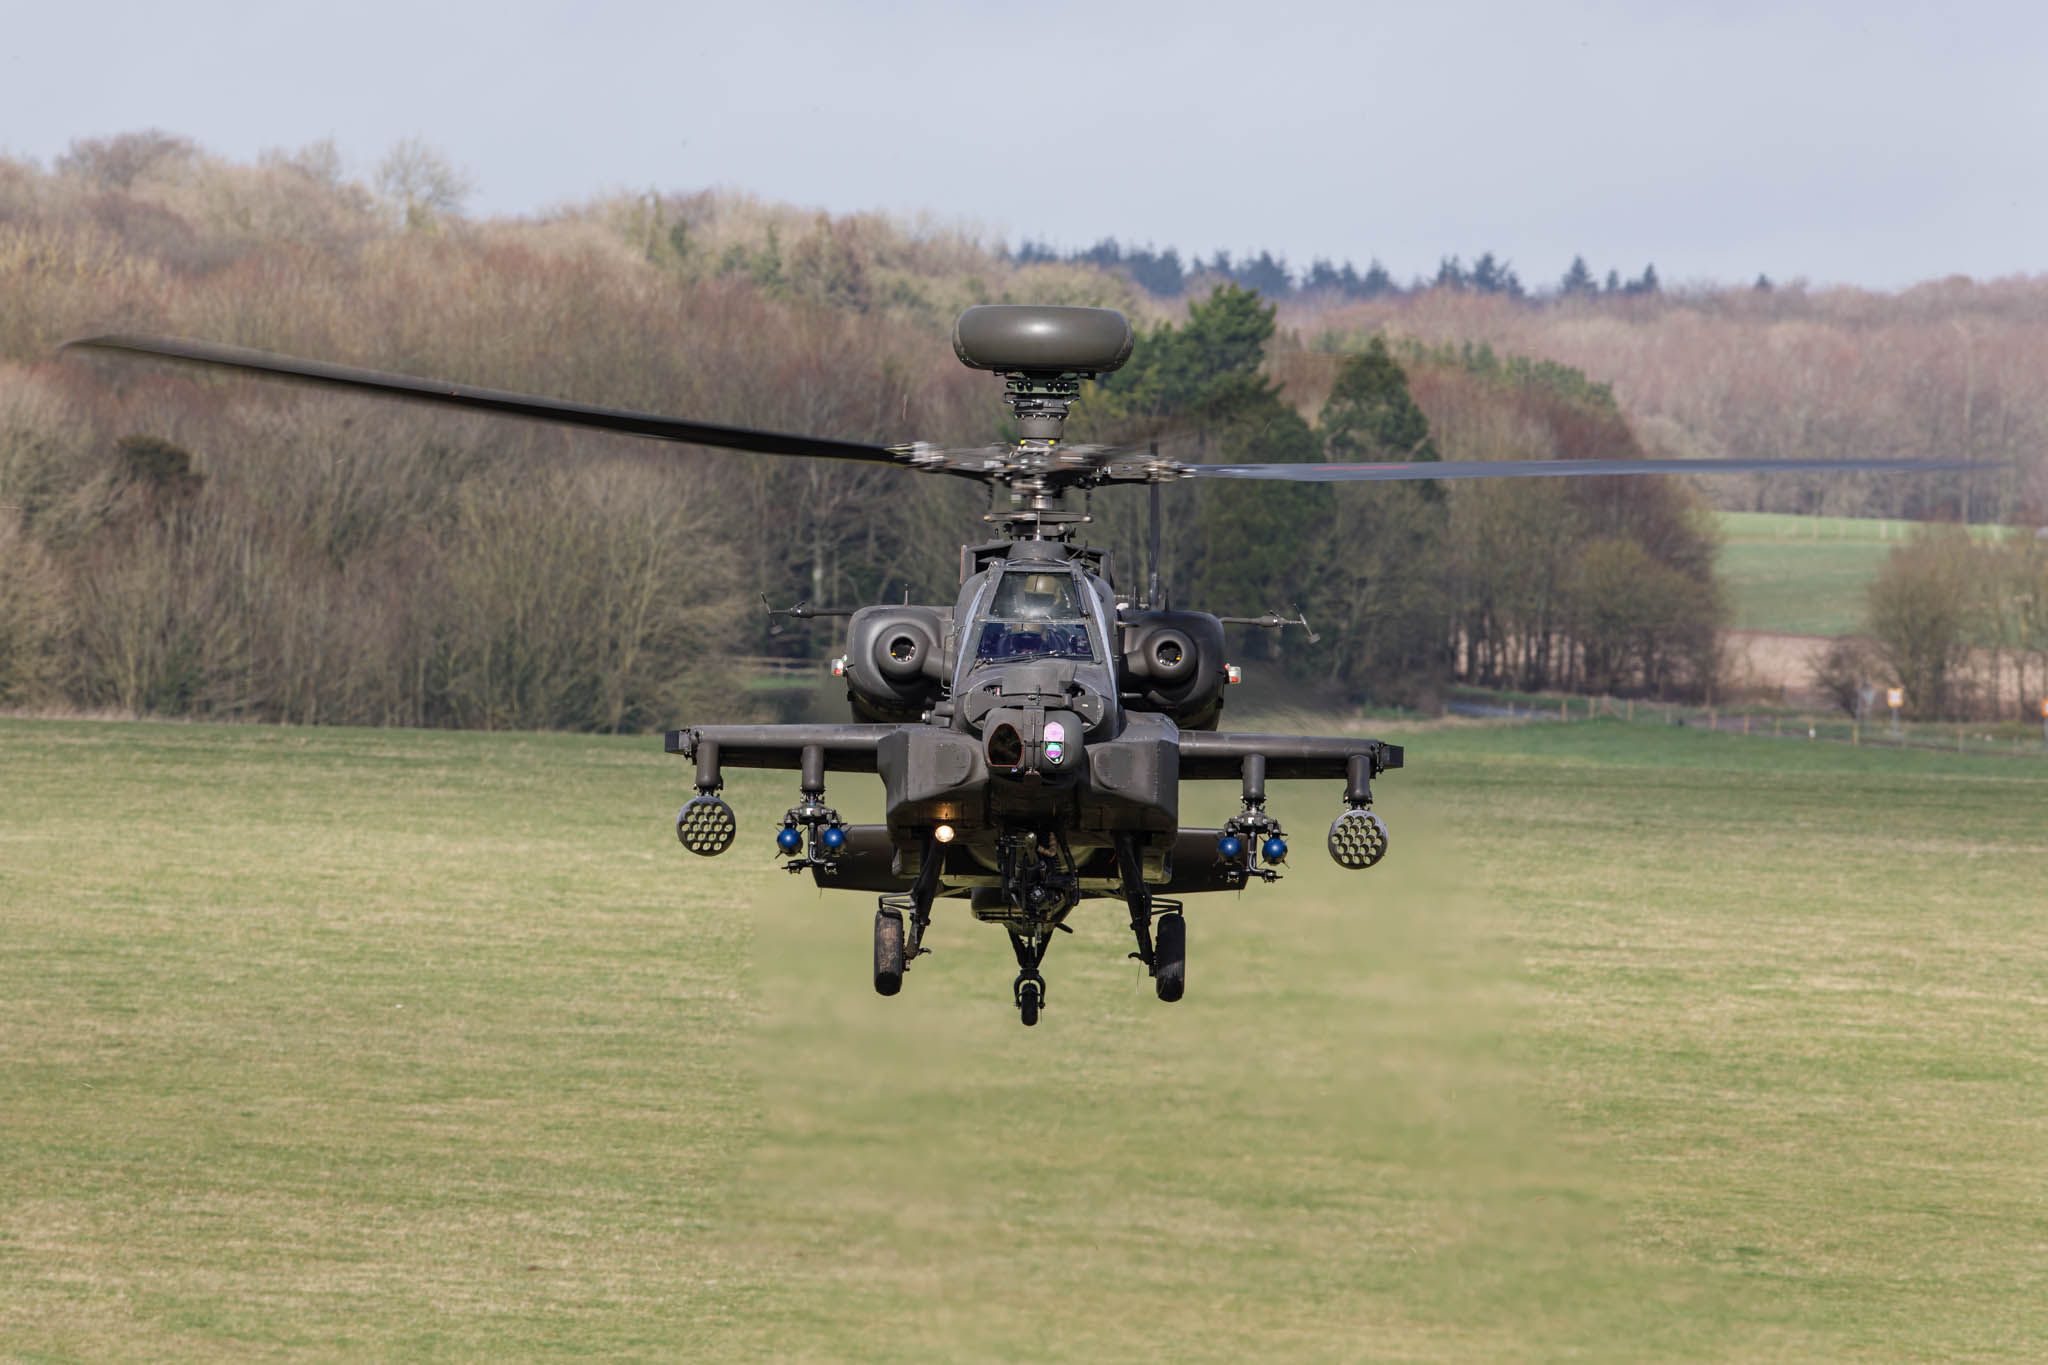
{"x":1037,"y":597}
{"x":1034,"y":615}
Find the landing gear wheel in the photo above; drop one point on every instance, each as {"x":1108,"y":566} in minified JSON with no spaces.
{"x":888,"y":952}
{"x":1170,"y":957}
{"x":1030,"y":998}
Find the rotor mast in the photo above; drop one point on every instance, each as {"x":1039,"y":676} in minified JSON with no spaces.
{"x":1042,"y":355}
{"x":1036,"y":504}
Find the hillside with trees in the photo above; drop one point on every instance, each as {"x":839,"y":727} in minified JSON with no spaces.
{"x":182,"y":544}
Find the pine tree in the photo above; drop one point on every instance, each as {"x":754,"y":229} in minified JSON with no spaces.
{"x":1370,"y":415}
{"x":1267,"y":275}
{"x":1493,"y":276}
{"x":1379,"y":584}
{"x":1578,"y":279}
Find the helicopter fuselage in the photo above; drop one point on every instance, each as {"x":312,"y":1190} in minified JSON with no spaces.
{"x":1031,"y":739}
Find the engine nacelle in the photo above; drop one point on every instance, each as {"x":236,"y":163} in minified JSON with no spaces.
{"x":895,"y":661}
{"x":1173,"y":663}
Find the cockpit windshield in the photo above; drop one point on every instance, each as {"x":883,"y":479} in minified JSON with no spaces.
{"x":1036,"y":596}
{"x":1033,"y":640}
{"x":1035,"y":615}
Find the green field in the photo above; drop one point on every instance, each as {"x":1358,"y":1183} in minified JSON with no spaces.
{"x":1646,"y":1043}
{"x":1806,"y":575}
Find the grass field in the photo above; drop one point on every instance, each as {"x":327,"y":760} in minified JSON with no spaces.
{"x":1806,"y":575}
{"x":1645,"y":1043}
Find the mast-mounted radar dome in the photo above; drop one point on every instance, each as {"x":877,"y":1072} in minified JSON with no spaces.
{"x":1043,"y":339}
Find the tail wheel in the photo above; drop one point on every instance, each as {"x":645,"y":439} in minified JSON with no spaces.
{"x":1170,"y":956}
{"x":888,"y":952}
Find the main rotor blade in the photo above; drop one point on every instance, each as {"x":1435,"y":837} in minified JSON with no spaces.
{"x":498,"y":401}
{"x":1559,"y":469}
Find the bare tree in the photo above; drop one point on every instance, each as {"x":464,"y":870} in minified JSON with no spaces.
{"x":34,"y":619}
{"x":423,"y":183}
{"x":1922,"y":615}
{"x":1844,"y":672}
{"x":116,"y":163}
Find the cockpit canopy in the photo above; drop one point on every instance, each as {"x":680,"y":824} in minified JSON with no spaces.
{"x":1036,"y":595}
{"x":1036,"y":613}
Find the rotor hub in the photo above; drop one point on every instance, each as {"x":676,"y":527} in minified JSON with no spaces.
{"x":1039,"y":402}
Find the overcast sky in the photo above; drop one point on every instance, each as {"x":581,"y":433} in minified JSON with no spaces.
{"x":1861,"y":142}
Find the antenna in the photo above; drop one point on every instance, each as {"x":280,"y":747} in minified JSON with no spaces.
{"x":1152,"y":542}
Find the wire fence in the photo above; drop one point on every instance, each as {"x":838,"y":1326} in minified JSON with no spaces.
{"x":1760,"y":721}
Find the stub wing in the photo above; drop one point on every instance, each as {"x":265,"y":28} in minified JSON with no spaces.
{"x":1218,"y":755}
{"x":840,"y":748}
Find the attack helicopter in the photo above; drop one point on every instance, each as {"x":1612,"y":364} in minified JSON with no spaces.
{"x":1033,"y":734}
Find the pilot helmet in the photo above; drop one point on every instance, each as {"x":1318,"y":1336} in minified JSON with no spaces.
{"x":1040,"y":596}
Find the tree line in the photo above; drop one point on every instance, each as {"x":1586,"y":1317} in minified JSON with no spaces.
{"x":1590,"y":584}
{"x":1946,"y":370}
{"x":181,"y":543}
{"x":1163,"y":274}
{"x":178,"y":543}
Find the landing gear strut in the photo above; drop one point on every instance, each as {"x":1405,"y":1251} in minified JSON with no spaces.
{"x":1166,"y":955}
{"x":900,"y":922}
{"x":1039,"y":887}
{"x":1029,"y":987}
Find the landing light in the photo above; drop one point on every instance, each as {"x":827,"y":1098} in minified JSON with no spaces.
{"x":944,"y":834}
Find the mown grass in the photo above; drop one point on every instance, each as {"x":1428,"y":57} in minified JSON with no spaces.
{"x":1645,"y":1043}
{"x":1807,"y":575}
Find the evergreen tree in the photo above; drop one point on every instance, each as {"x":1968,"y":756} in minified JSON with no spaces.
{"x":1267,"y":275}
{"x":1370,"y":415}
{"x":1377,"y":282}
{"x":1380,"y":581}
{"x":1492,"y":276}
{"x":1158,"y":273}
{"x":1613,"y":285}
{"x":1450,"y":274}
{"x":1106,"y":253}
{"x":1577,"y":280}
{"x":1203,"y":385}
